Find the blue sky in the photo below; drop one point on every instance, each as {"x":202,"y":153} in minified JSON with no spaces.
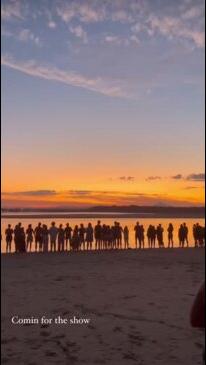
{"x":100,"y":90}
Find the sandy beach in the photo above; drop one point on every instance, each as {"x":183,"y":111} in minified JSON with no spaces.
{"x":137,"y":305}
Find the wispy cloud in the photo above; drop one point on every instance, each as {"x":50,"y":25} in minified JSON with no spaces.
{"x":104,"y":86}
{"x":79,"y":32}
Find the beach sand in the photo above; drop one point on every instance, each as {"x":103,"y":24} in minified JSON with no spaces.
{"x":138,"y":304}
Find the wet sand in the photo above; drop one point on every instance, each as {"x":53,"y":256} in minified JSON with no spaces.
{"x":138,"y":304}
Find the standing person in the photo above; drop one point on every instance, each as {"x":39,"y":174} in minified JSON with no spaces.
{"x":61,"y":237}
{"x":9,"y":236}
{"x":153,"y":236}
{"x":53,"y":232}
{"x":181,"y":235}
{"x":29,"y":237}
{"x":75,"y":242}
{"x":38,"y":237}
{"x":126,"y":237}
{"x":141,"y":237}
{"x":160,"y":239}
{"x":149,"y":236}
{"x":119,"y":235}
{"x":22,"y":240}
{"x":137,"y":230}
{"x":68,"y":236}
{"x":45,"y":238}
{"x":170,"y":231}
{"x":97,"y":235}
{"x":17,"y":237}
{"x":186,"y":232}
{"x":82,"y":236}
{"x":89,"y":236}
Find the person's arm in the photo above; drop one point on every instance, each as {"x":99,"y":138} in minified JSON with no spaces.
{"x":197,"y":316}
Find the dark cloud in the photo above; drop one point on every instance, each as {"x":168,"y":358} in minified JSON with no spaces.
{"x":196,"y":177}
{"x":153,"y":178}
{"x":31,"y":193}
{"x":177,"y":177}
{"x":126,"y":178}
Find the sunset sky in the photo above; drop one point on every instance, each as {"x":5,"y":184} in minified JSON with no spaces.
{"x":102,"y":102}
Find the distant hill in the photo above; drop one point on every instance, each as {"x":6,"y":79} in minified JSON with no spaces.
{"x":153,"y":211}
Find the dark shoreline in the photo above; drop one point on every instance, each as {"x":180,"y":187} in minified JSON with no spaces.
{"x":103,"y":216}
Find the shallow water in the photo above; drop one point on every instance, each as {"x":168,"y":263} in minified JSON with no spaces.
{"x":130,"y":222}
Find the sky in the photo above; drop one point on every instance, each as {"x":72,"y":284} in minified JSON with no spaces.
{"x":102,"y":103}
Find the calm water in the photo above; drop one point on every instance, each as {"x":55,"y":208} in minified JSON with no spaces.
{"x":130,"y":222}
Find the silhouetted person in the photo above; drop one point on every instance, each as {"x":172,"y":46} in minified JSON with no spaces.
{"x":53,"y":232}
{"x":75,"y":243}
{"x":61,"y":238}
{"x":137,"y":230}
{"x":68,"y":235}
{"x":170,"y":231}
{"x":160,"y":232}
{"x":9,"y":236}
{"x":149,"y":236}
{"x":29,"y":237}
{"x":97,"y":235}
{"x":38,"y":237}
{"x":45,"y":238}
{"x":186,"y":232}
{"x":181,"y":235}
{"x":89,"y":236}
{"x":126,"y":237}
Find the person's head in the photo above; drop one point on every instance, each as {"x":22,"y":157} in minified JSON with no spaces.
{"x":60,"y":226}
{"x":39,"y":224}
{"x":89,"y":224}
{"x":53,"y":224}
{"x":9,"y":225}
{"x":98,"y":222}
{"x":29,"y":225}
{"x":19,"y":224}
{"x":137,"y":223}
{"x":67,"y":225}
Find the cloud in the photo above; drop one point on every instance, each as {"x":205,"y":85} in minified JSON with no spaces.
{"x":153,"y":178}
{"x":196,"y":177}
{"x":25,"y":35}
{"x":177,"y":177}
{"x":11,"y":9}
{"x":51,"y":24}
{"x":126,"y":178}
{"x":103,"y":86}
{"x":87,"y":11}
{"x":173,"y":27}
{"x":79,"y":32}
{"x":31,"y":193}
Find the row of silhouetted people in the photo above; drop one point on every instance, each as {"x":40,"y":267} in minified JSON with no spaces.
{"x":99,"y":237}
